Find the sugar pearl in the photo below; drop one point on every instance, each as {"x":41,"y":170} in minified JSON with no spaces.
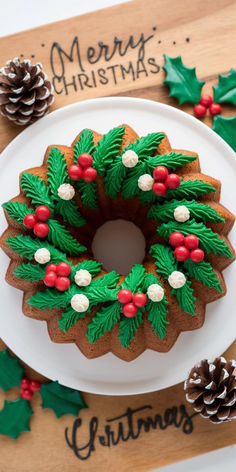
{"x":177,"y":279}
{"x":83,"y":278}
{"x":181,"y":214}
{"x":155,"y":292}
{"x":66,"y":191}
{"x":79,"y":302}
{"x":130,"y":158}
{"x":42,"y":255}
{"x":145,"y":182}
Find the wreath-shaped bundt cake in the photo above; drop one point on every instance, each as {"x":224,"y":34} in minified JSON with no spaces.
{"x":61,"y":204}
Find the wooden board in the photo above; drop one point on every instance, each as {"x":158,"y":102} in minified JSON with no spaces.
{"x":85,"y":60}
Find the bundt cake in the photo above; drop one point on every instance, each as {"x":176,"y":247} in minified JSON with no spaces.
{"x":52,"y":223}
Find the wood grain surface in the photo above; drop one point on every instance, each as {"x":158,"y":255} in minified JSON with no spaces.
{"x":119,"y":51}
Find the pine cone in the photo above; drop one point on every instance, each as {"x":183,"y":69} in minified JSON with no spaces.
{"x":211,"y":388}
{"x":25,"y":91}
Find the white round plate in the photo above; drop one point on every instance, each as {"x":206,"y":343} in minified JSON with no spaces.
{"x":29,"y":338}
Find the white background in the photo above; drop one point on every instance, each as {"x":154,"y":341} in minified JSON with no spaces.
{"x":29,"y":14}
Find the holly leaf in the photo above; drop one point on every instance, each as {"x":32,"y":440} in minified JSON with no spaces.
{"x":68,"y":209}
{"x":201,"y":211}
{"x":30,"y":272}
{"x":100,"y":295}
{"x":60,"y":237}
{"x":14,"y":418}
{"x":57,"y":171}
{"x":17,"y":210}
{"x":11,"y":371}
{"x":83,"y":144}
{"x":103,"y":321}
{"x":130,"y":186}
{"x":134,"y":279}
{"x":50,"y":298}
{"x":164,"y":259}
{"x":128,"y":328}
{"x":182,"y":80}
{"x":26,"y":247}
{"x":157,"y":313}
{"x":93,"y":267}
{"x":62,"y":400}
{"x":36,"y":189}
{"x":226,"y":128}
{"x":109,"y":280}
{"x":171,"y":160}
{"x":107,"y":148}
{"x":225,"y":90}
{"x":185,"y":298}
{"x":204,"y":272}
{"x":88,"y":193}
{"x":114,"y":177}
{"x":189,"y":188}
{"x":70,"y":317}
{"x":146,"y":145}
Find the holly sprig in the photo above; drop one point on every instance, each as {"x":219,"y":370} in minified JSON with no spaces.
{"x":199,"y":211}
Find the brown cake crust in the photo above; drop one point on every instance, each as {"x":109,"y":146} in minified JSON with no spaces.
{"x":131,"y":210}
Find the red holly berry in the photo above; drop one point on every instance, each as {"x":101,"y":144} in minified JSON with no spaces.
{"x":199,"y":110}
{"x":181,"y":253}
{"x":51,"y":268}
{"x":26,"y":394}
{"x":63,"y":269}
{"x":30,"y":221}
{"x":191,"y":241}
{"x":89,"y":174}
{"x":159,"y":188}
{"x":197,"y":255}
{"x":206,"y":100}
{"x":160,"y":173}
{"x":139,"y":299}
{"x":215,"y":109}
{"x":34,"y":386}
{"x":62,"y":283}
{"x":124,"y":295}
{"x":176,"y":239}
{"x":75,"y":172}
{"x":173,"y":181}
{"x":50,"y":279}
{"x":129,"y":310}
{"x":85,"y":160}
{"x":41,"y":230}
{"x":25,"y":383}
{"x":42,"y":213}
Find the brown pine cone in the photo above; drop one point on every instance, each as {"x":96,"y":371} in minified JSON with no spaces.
{"x":25,"y":91}
{"x":211,"y":388}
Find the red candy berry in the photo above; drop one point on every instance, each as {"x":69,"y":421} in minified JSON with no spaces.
{"x":199,"y":110}
{"x":75,"y":172}
{"x":159,"y":188}
{"x":181,"y":253}
{"x":197,"y":255}
{"x":25,"y":383}
{"x":62,"y":283}
{"x":85,"y":160}
{"x":139,"y":299}
{"x":42,"y":213}
{"x":176,"y":239}
{"x":63,"y":269}
{"x":173,"y":181}
{"x":50,"y":279}
{"x":30,"y":221}
{"x":191,"y":241}
{"x":51,"y":268}
{"x":34,"y":386}
{"x":215,"y":109}
{"x":124,"y":295}
{"x":160,"y":173}
{"x":129,"y":310}
{"x":26,"y":394}
{"x":206,"y":100}
{"x":89,"y":174}
{"x":41,"y":230}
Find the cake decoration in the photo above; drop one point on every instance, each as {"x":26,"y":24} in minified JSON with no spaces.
{"x":80,"y":302}
{"x":129,"y":158}
{"x":177,"y":279}
{"x":42,"y":255}
{"x":83,"y":278}
{"x":155,"y":293}
{"x":66,"y":192}
{"x":145,"y":182}
{"x":181,"y":214}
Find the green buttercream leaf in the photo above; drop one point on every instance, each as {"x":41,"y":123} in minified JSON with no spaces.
{"x":171,"y":160}
{"x":50,"y":298}
{"x":36,"y":189}
{"x":17,"y":211}
{"x":201,"y":211}
{"x":188,"y":189}
{"x":70,"y":317}
{"x":157,"y":313}
{"x":57,"y":171}
{"x":109,"y":280}
{"x":62,"y":400}
{"x":84,"y":144}
{"x":164,"y":259}
{"x":225,"y":90}
{"x":209,"y":241}
{"x":204,"y":272}
{"x":68,"y":209}
{"x":30,"y":272}
{"x":128,"y":328}
{"x":130,"y":186}
{"x":185,"y":298}
{"x":107,"y":148}
{"x":11,"y":371}
{"x":88,"y":193}
{"x":134,"y":279}
{"x":146,"y":145}
{"x":226,"y":128}
{"x":14,"y":417}
{"x":26,"y":247}
{"x":146,"y":198}
{"x":103,"y":321}
{"x":182,"y":80}
{"x":99,"y":294}
{"x":114,"y":177}
{"x":93,"y":267}
{"x":60,"y":237}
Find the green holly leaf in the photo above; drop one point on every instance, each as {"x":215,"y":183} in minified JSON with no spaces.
{"x":128,"y":328}
{"x":93,"y":267}
{"x":164,"y":259}
{"x":36,"y":189}
{"x":134,"y":279}
{"x":83,"y":144}
{"x":103,"y":321}
{"x":30,"y":272}
{"x":88,"y":193}
{"x":60,"y":237}
{"x":107,"y":148}
{"x":188,"y":189}
{"x":204,"y":272}
{"x":226,"y":128}
{"x":146,"y":145}
{"x":201,"y":211}
{"x":185,"y":298}
{"x":114,"y":177}
{"x":157,"y":313}
{"x":225,"y":90}
{"x":17,"y":211}
{"x":130,"y":186}
{"x":14,"y":418}
{"x":99,"y":295}
{"x":57,"y":171}
{"x":109,"y":280}
{"x":171,"y":161}
{"x":68,"y":209}
{"x":26,"y":247}
{"x":182,"y":80}
{"x":70,"y":317}
{"x":11,"y":371}
{"x":50,"y":298}
{"x":62,"y":400}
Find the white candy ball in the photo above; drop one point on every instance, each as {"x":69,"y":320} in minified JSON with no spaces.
{"x":145,"y":182}
{"x":155,"y":292}
{"x":83,"y":278}
{"x":181,"y":214}
{"x":130,"y":158}
{"x":66,"y":191}
{"x":79,"y":302}
{"x":42,"y":255}
{"x":177,"y":279}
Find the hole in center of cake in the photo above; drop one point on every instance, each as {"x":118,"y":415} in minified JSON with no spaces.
{"x":118,"y":245}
